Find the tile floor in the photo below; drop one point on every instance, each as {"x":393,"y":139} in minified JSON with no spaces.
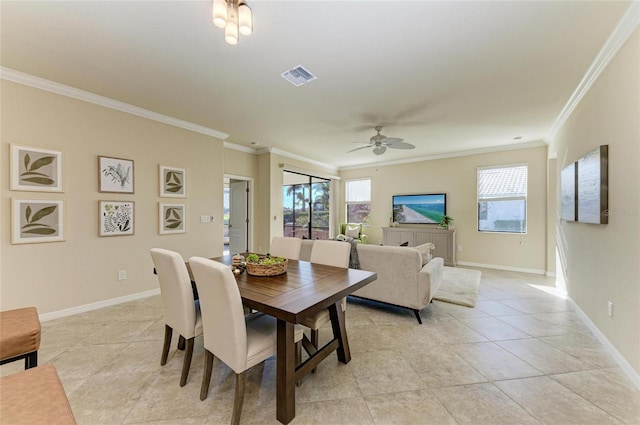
{"x":520,"y":357}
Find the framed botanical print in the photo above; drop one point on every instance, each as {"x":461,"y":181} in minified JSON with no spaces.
{"x":173,"y":182}
{"x":35,"y":169}
{"x":172,"y":218}
{"x":36,"y":221}
{"x":116,"y":218}
{"x":115,"y":175}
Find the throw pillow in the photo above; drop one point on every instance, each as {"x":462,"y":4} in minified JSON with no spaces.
{"x":353,"y":231}
{"x":425,"y":252}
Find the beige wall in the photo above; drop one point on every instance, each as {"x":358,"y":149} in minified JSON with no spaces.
{"x":457,"y":178}
{"x":240,"y":163}
{"x":83,"y":269}
{"x":602,"y":260}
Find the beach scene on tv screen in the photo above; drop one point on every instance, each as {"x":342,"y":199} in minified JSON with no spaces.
{"x":427,"y":209}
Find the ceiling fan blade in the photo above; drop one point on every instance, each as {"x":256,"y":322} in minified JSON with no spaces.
{"x":391,"y":140}
{"x":379,"y":150}
{"x":361,"y":147}
{"x":401,"y":145}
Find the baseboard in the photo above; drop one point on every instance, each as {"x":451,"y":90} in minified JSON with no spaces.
{"x":499,"y":267}
{"x":550,"y":274}
{"x":100,"y":304}
{"x":627,"y":369}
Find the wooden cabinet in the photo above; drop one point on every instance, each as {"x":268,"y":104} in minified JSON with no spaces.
{"x":444,"y":240}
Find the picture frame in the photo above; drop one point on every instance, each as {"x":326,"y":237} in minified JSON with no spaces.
{"x":173,"y":182}
{"x":116,"y":218}
{"x":172,"y":218}
{"x":37,"y":221}
{"x":35,"y":169}
{"x":115,"y":175}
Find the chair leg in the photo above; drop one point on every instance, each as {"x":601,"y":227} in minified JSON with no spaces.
{"x":206,"y":378}
{"x":417,"y":313}
{"x":168,"y":332}
{"x":298,"y":357}
{"x":31,"y":360}
{"x":186,"y":364}
{"x":239,"y":398}
{"x":314,"y":341}
{"x":181,"y":341}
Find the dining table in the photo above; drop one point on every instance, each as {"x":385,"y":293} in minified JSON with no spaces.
{"x":302,"y":291}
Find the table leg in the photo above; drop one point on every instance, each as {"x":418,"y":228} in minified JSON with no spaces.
{"x":340,"y":331}
{"x":285,"y":373}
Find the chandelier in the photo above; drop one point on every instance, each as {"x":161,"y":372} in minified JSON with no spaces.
{"x":234,"y":16}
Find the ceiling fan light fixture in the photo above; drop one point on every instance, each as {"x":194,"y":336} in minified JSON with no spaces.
{"x":380,"y":143}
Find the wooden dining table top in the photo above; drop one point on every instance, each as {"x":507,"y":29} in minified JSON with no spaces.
{"x":303,"y":290}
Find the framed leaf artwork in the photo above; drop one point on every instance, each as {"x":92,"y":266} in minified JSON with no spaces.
{"x":115,"y":175}
{"x":116,"y":218}
{"x":35,"y":169}
{"x":36,"y":221}
{"x":173,"y":182}
{"x":172,"y":219}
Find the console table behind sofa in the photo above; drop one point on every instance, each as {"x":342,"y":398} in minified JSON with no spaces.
{"x":444,"y":240}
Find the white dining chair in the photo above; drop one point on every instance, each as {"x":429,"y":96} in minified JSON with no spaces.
{"x":286,"y":247}
{"x":239,"y":341}
{"x":330,"y":253}
{"x":181,"y":311}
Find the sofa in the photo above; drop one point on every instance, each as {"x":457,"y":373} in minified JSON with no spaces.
{"x":407,"y":276}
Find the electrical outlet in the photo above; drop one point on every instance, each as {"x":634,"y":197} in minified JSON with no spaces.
{"x":459,"y":248}
{"x":610,"y":309}
{"x":122,"y":275}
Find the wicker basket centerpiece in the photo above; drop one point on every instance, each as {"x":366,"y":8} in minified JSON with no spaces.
{"x":262,"y":265}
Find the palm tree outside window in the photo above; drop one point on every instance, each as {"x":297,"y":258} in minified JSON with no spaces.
{"x":306,"y":212}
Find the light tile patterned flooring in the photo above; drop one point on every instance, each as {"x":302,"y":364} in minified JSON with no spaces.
{"x":520,"y":357}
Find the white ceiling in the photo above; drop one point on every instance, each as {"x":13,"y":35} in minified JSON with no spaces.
{"x":446,"y":76}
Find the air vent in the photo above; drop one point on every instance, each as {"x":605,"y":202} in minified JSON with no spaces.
{"x":298,"y":76}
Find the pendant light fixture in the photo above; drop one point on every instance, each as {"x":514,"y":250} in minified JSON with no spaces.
{"x":235,"y":17}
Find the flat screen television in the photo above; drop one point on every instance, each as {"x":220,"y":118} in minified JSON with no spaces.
{"x":419,"y":209}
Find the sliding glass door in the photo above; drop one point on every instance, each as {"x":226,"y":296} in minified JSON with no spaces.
{"x":306,"y":206}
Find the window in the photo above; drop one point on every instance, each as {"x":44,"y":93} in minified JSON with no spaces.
{"x":358,"y":200}
{"x":306,"y":206}
{"x":502,"y":199}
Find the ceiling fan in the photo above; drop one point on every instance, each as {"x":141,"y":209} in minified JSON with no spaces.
{"x":380,"y":143}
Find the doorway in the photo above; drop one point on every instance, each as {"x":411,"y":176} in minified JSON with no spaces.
{"x":237,"y":225}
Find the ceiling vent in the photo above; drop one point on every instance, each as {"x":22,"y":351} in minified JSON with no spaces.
{"x":298,"y":76}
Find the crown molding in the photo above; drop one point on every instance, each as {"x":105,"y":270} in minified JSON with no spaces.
{"x":240,"y":148}
{"x":627,"y":25}
{"x":297,"y":157}
{"x":518,"y":146}
{"x":85,"y":96}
